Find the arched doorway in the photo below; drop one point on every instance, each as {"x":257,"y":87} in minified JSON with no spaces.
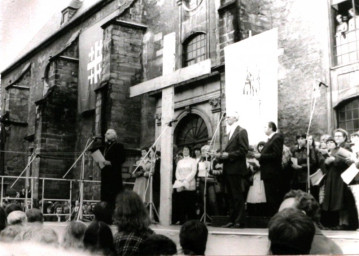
{"x":191,"y":131}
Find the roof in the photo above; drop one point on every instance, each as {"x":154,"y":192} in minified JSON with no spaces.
{"x":53,"y":26}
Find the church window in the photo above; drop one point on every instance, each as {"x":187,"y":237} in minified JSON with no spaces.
{"x":348,"y":115}
{"x":345,"y":15}
{"x":191,"y":131}
{"x":194,"y":49}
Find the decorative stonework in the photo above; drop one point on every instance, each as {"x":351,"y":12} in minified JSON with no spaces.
{"x":216,"y":104}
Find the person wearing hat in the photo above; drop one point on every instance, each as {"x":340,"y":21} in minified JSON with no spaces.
{"x":338,"y":198}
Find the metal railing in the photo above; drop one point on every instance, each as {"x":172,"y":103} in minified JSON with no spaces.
{"x":42,"y":183}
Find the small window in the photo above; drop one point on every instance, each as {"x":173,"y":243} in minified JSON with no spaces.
{"x":194,"y":49}
{"x":348,"y":115}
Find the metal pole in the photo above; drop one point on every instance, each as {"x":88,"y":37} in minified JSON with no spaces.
{"x":83,"y":152}
{"x":28,"y":164}
{"x":2,"y":191}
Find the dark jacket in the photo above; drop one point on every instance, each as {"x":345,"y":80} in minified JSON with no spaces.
{"x":237,"y":149}
{"x":271,"y":157}
{"x":111,"y":175}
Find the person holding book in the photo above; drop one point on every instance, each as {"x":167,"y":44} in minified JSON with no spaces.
{"x":338,"y":198}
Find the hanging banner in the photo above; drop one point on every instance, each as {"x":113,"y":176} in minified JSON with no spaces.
{"x":90,"y":47}
{"x":251,"y":82}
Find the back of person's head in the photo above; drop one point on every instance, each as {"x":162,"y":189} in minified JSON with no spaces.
{"x":38,"y":233}
{"x":16,"y":217}
{"x":302,"y":201}
{"x":10,"y":232}
{"x":74,"y":234}
{"x":12,"y":207}
{"x":157,"y":245}
{"x":34,"y":215}
{"x":2,"y":218}
{"x":98,"y":238}
{"x":130,"y":214}
{"x":103,"y":212}
{"x":290,"y":232}
{"x":193,"y":237}
{"x":29,"y":248}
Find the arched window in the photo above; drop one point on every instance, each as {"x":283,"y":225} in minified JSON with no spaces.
{"x":191,"y":131}
{"x":194,"y":49}
{"x":348,"y":115}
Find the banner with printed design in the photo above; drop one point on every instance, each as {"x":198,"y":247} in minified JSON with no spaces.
{"x":251,"y":87}
{"x":90,"y":47}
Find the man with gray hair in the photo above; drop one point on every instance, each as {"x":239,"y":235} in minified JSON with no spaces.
{"x":235,"y":169}
{"x":111,"y":173}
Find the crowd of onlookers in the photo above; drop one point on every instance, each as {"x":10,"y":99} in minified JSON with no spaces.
{"x":133,"y":236}
{"x":323,"y":159}
{"x":293,"y":230}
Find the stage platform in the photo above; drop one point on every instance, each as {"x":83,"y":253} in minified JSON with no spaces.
{"x":228,"y":241}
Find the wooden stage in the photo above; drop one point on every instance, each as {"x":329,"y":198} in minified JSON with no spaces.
{"x":228,"y":241}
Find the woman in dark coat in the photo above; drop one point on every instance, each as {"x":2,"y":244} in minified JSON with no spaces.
{"x":111,"y":174}
{"x":338,"y":196}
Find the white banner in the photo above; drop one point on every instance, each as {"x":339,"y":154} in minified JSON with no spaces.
{"x":251,"y":82}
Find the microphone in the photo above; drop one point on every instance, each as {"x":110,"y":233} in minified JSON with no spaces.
{"x":96,"y":137}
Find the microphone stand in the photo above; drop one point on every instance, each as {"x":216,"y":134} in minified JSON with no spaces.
{"x":89,"y":143}
{"x":309,"y":126}
{"x":151,"y":205}
{"x":205,"y":215}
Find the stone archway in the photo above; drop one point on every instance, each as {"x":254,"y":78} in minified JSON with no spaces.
{"x":191,"y":131}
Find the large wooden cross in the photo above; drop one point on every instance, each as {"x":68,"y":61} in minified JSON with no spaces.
{"x":166,"y":83}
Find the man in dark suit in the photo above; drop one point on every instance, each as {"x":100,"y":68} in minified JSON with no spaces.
{"x":270,"y":160}
{"x":235,"y":170}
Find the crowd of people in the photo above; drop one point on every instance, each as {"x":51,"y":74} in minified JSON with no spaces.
{"x":133,"y":236}
{"x":294,"y":229}
{"x":244,"y":180}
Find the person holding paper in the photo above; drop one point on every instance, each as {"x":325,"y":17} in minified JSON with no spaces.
{"x":185,"y":185}
{"x":338,"y":198}
{"x":111,"y":173}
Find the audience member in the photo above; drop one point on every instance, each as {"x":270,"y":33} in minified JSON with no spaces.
{"x":39,"y":234}
{"x":34,"y":215}
{"x":103,"y":212}
{"x":35,"y":249}
{"x":132,"y":221}
{"x":2,"y":219}
{"x":300,"y":200}
{"x":98,"y":239}
{"x":12,"y":207}
{"x":10,"y":232}
{"x":290,"y":232}
{"x":193,"y":237}
{"x":157,"y":245}
{"x":16,"y":217}
{"x":74,"y":234}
